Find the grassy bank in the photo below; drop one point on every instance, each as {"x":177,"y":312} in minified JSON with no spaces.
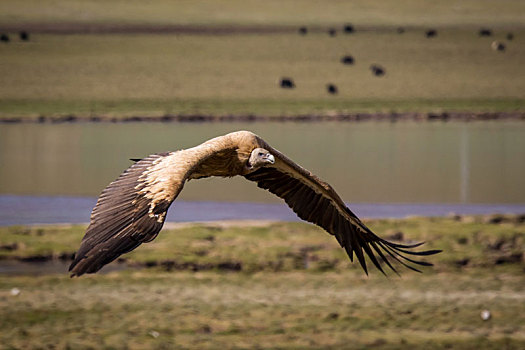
{"x":468,"y":242}
{"x":255,"y":109}
{"x":292,"y":288}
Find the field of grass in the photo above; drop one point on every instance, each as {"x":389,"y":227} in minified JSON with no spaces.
{"x":178,"y":73}
{"x":271,"y":12}
{"x":239,"y":74}
{"x":293,"y":288}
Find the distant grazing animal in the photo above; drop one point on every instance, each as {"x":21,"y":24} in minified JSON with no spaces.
{"x":510,"y":36}
{"x":4,"y":38}
{"x":24,"y":36}
{"x":303,"y":30}
{"x":431,"y":33}
{"x":332,"y":32}
{"x":400,"y":30}
{"x":332,"y":89}
{"x":347,"y":59}
{"x":132,"y":209}
{"x":497,"y":46}
{"x":485,"y":32}
{"x":287,"y":83}
{"x":348,"y":28}
{"x":377,"y":70}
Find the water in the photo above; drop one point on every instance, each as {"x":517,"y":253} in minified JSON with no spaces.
{"x":15,"y":267}
{"x":47,"y":267}
{"x":31,"y":210}
{"x":454,"y":163}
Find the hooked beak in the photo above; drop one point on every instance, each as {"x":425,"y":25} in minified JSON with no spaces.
{"x":270,"y":158}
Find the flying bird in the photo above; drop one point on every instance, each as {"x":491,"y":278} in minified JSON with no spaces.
{"x":131,"y":210}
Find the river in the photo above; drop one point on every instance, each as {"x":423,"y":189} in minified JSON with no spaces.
{"x":369,"y":163}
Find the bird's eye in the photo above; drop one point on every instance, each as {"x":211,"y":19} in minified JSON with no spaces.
{"x":261,"y":154}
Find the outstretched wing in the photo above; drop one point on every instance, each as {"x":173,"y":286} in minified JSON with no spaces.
{"x":128,"y":212}
{"x":316,"y":201}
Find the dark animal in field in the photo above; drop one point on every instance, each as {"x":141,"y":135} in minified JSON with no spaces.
{"x":287,"y":83}
{"x":497,"y":46}
{"x":510,"y":36}
{"x":332,"y":32}
{"x":303,"y":30}
{"x":347,"y":59}
{"x":377,"y":70}
{"x":485,"y":32}
{"x":24,"y":36}
{"x":332,"y":89}
{"x":131,"y":210}
{"x":431,"y":33}
{"x":348,"y":29}
{"x":4,"y":38}
{"x":400,"y":30}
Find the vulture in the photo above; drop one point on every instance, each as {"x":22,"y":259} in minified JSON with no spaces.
{"x":131,"y":210}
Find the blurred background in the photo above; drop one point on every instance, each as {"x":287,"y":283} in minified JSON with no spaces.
{"x":407,"y":108}
{"x":76,"y":66}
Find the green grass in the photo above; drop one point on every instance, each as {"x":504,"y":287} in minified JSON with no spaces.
{"x":238,"y":74}
{"x":262,"y":306}
{"x":268,"y":311}
{"x":290,"y":246}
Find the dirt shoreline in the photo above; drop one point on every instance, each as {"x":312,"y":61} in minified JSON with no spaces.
{"x":90,"y":28}
{"x":343,"y":117}
{"x":139,"y":28}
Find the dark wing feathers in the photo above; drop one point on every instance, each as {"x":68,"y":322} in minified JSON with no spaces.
{"x":324,"y":210}
{"x":120,"y":221}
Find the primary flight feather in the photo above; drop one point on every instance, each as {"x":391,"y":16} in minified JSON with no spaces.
{"x":132,"y":209}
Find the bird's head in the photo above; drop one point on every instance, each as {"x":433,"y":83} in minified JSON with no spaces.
{"x":260,"y":158}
